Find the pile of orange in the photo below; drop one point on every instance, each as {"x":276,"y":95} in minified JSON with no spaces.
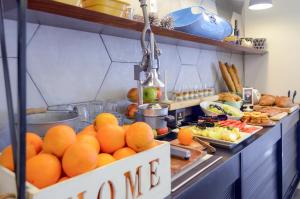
{"x":62,"y":154}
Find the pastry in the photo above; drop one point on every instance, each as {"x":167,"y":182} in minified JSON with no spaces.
{"x":267,"y":100}
{"x":283,"y":102}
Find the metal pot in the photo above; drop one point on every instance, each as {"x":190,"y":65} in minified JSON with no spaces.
{"x":41,"y":122}
{"x":156,"y":115}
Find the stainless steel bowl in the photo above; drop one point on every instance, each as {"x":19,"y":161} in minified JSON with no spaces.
{"x":156,"y":115}
{"x":40,"y":123}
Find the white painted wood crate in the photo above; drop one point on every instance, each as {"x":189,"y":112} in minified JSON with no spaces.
{"x":146,"y":175}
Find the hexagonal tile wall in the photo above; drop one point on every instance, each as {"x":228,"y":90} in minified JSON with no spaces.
{"x":67,"y":65}
{"x":123,"y":49}
{"x":208,"y":67}
{"x":188,"y":56}
{"x":118,"y":81}
{"x":188,"y":78}
{"x":169,"y":62}
{"x":34,"y":99}
{"x":11,"y":36}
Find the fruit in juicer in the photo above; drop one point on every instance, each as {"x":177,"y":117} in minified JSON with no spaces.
{"x":131,"y":111}
{"x":159,"y":93}
{"x":150,"y":94}
{"x":162,"y":131}
{"x":132,"y":95}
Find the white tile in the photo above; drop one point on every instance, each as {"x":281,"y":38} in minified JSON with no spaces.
{"x":170,"y":62}
{"x":188,"y":78}
{"x":208,"y":67}
{"x":188,"y":55}
{"x":34,"y":99}
{"x":224,"y":57}
{"x":123,"y":49}
{"x":11,"y":36}
{"x":67,"y":65}
{"x":117,"y":82}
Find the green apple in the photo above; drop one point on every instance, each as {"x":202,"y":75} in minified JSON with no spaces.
{"x":150,"y":94}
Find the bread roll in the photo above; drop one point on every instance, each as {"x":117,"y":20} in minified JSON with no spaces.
{"x":227,"y":78}
{"x":267,"y":100}
{"x":283,"y":102}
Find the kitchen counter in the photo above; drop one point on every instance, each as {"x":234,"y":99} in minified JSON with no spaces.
{"x":254,"y":169}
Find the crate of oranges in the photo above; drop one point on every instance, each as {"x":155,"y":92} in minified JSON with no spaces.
{"x":104,"y":161}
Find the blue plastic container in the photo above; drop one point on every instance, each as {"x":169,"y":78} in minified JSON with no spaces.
{"x":198,"y":21}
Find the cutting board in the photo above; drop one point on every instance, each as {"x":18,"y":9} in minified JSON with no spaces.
{"x":179,"y":165}
{"x":287,"y":110}
{"x":193,"y":146}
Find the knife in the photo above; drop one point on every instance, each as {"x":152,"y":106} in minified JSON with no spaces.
{"x":294,"y":96}
{"x":210,"y":149}
{"x":289,"y":93}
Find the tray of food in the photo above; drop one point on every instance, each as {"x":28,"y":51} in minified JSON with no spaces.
{"x":214,"y":108}
{"x":223,"y":136}
{"x":257,"y":119}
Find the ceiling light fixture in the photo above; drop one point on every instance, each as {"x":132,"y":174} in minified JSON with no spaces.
{"x":260,"y":4}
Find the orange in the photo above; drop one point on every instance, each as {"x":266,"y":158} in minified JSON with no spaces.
{"x":152,"y":145}
{"x":139,"y":136}
{"x":125,"y":127}
{"x":111,"y":138}
{"x":104,"y":159}
{"x":89,"y":130}
{"x":6,"y":157}
{"x":90,"y":140}
{"x":58,"y":139}
{"x":35,"y":140}
{"x":104,"y":119}
{"x":63,"y":179}
{"x":43,"y":170}
{"x":123,"y":153}
{"x":78,"y":159}
{"x":185,"y":136}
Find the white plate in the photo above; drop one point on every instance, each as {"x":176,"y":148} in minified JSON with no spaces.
{"x":204,"y":106}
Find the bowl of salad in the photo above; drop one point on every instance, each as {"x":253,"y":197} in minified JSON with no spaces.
{"x":214,"y":109}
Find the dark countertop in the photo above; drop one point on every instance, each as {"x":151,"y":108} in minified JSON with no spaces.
{"x":227,"y":155}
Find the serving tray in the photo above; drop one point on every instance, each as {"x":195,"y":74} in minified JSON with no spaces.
{"x":223,"y":143}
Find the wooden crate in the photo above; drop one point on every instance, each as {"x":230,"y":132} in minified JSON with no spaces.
{"x":146,"y":175}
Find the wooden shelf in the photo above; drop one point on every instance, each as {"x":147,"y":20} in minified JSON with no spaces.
{"x":62,"y":15}
{"x":189,"y":103}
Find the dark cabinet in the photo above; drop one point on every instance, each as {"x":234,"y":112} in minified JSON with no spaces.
{"x":259,"y":167}
{"x":289,"y":154}
{"x":219,"y":184}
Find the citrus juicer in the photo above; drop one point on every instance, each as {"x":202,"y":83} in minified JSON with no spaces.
{"x":156,"y":115}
